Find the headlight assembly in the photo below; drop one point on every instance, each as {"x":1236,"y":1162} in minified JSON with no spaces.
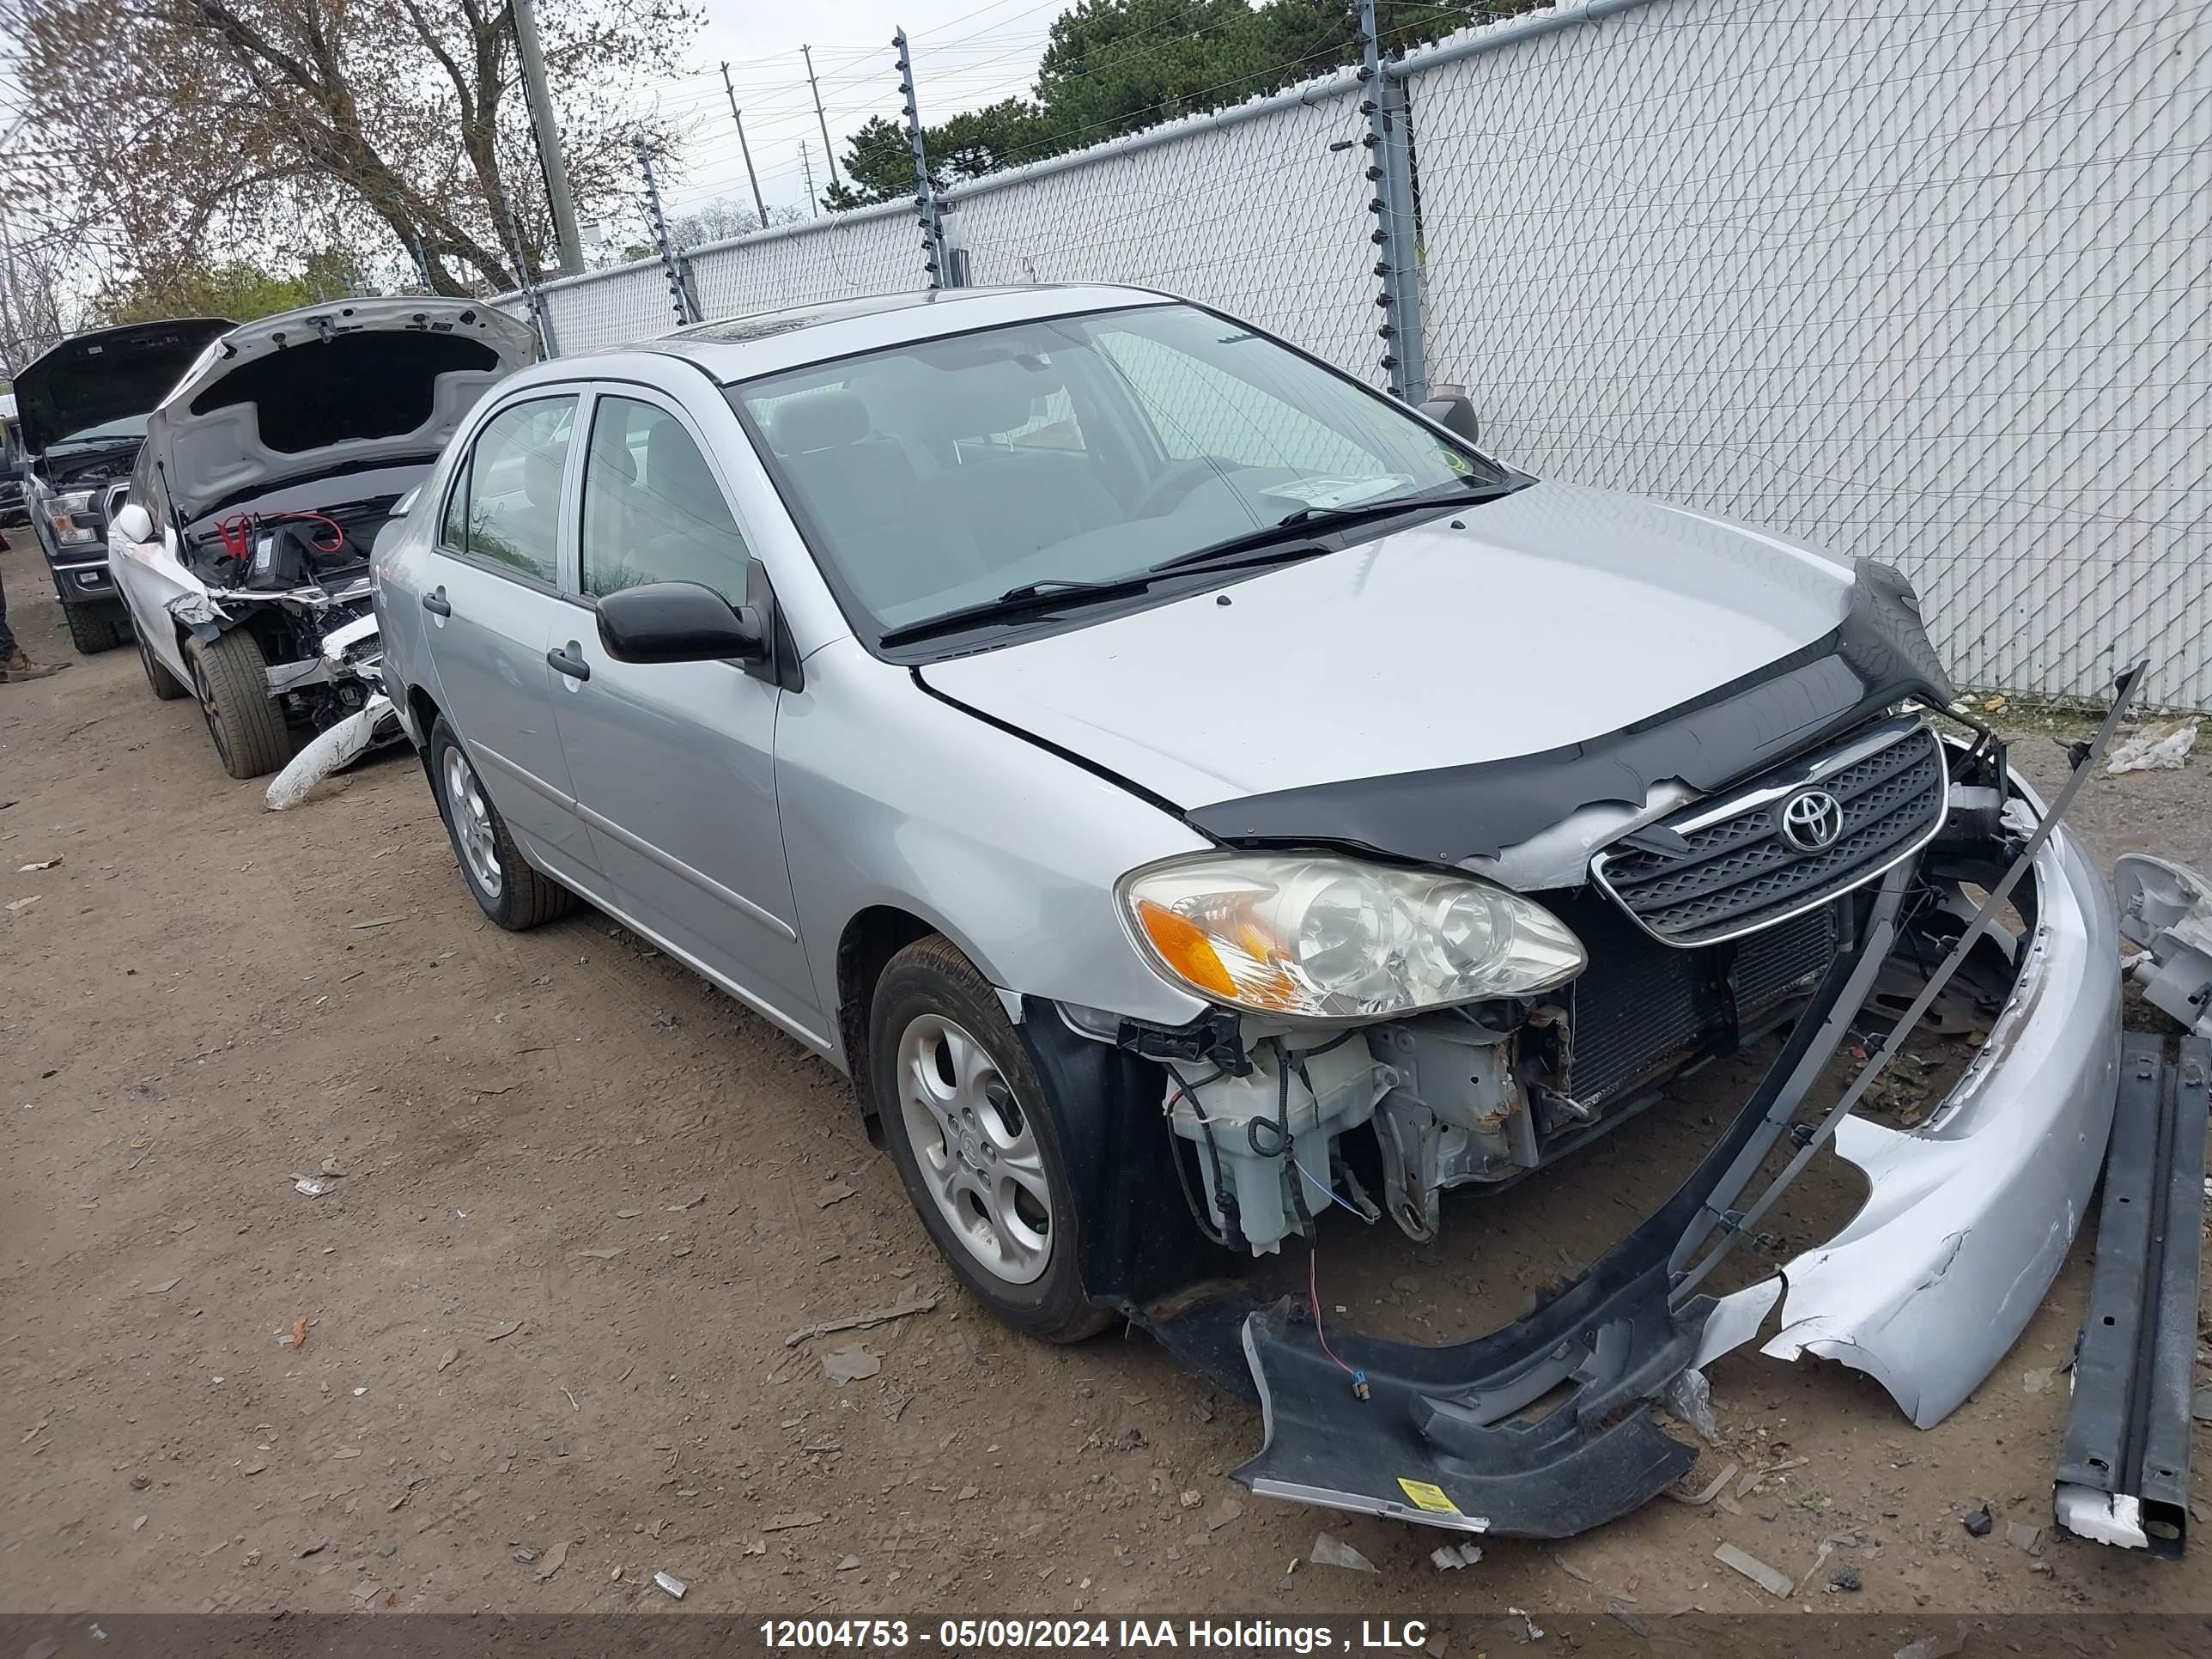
{"x":63,"y":513}
{"x":1320,"y":937}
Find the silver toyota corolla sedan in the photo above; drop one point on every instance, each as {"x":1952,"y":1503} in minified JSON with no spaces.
{"x":1204,"y":803}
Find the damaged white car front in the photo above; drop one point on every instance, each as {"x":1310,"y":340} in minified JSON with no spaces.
{"x":243,"y":549}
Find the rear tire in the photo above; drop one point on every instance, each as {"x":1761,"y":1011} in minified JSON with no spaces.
{"x":231,"y":678}
{"x":167,"y":686}
{"x":92,"y":628}
{"x":966,"y":1120}
{"x":507,"y":887}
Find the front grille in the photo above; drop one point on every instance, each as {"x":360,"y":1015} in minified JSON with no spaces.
{"x":1642,"y":1009}
{"x":1737,"y":873}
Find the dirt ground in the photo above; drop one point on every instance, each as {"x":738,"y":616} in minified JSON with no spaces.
{"x":584,"y":1200}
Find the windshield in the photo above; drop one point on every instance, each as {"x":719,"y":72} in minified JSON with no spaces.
{"x":944,"y":474}
{"x":107,"y":432}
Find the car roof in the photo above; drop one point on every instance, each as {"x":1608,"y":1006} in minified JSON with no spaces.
{"x":769,"y":342}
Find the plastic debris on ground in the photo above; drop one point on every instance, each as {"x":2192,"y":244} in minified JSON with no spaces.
{"x":2162,"y":748}
{"x":1977,"y":1522}
{"x":673,"y":1585}
{"x":850,"y":1363}
{"x":332,"y":751}
{"x":1689,"y":1398}
{"x":1775,"y":1583}
{"x":1452,"y":1557}
{"x":1329,"y":1551}
{"x":312,"y":1185}
{"x":860,"y":1321}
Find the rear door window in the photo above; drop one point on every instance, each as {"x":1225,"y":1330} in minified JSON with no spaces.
{"x":505,"y":509}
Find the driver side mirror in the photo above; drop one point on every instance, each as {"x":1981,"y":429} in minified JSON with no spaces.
{"x":1448,"y":406}
{"x":679,"y":621}
{"x":132,"y":522}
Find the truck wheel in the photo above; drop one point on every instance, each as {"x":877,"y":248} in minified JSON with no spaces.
{"x":964,"y":1116}
{"x":230,"y":677}
{"x":92,"y":628}
{"x":507,"y":887}
{"x":165,"y":685}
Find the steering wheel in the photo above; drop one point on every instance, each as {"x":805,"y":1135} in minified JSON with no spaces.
{"x":1177,"y":482}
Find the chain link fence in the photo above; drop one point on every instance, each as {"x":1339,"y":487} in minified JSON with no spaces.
{"x":1922,"y":281}
{"x":1918,"y":280}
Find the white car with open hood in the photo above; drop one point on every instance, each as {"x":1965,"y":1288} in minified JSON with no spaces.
{"x":243,"y":550}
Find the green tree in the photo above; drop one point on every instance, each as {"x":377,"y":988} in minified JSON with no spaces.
{"x":1112,"y":67}
{"x":234,"y":289}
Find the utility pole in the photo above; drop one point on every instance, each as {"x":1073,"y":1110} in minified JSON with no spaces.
{"x":806,"y":165}
{"x":828,"y":148}
{"x":549,"y":137}
{"x":738,"y":115}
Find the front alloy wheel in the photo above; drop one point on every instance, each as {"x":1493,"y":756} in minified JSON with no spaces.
{"x":966,"y":1119}
{"x":975,"y":1149}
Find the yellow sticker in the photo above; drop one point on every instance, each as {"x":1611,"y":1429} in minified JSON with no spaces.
{"x":1427,"y":1496}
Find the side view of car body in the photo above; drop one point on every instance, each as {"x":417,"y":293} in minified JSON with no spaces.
{"x":1201,"y":803}
{"x":242,"y":554}
{"x":82,"y":407}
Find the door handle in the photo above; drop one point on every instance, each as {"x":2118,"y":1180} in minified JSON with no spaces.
{"x":569,"y":660}
{"x":435,"y":603}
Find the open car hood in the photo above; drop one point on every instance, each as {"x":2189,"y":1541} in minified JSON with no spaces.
{"x":347,"y":386}
{"x":1559,"y":615}
{"x":90,"y":379}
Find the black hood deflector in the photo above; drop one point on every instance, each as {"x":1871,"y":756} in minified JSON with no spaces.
{"x":1877,"y":656}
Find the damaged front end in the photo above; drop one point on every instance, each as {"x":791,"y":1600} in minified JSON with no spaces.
{"x":1844,"y":891}
{"x":299,"y":583}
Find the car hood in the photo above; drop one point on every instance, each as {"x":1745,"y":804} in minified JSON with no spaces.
{"x":1557,"y":615}
{"x":342,"y":387}
{"x":90,"y":379}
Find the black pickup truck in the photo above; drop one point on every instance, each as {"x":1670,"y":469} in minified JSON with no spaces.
{"x":82,"y":408}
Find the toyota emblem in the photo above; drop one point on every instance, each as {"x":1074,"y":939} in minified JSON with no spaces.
{"x":1813,"y":820}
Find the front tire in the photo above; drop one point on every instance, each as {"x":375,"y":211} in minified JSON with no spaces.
{"x":167,"y":686}
{"x":92,"y":628}
{"x":230,"y":677}
{"x":507,"y":887}
{"x":963,"y":1112}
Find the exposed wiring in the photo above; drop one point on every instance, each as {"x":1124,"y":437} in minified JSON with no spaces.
{"x":1313,"y":1302}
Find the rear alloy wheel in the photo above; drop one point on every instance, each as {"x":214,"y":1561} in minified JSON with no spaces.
{"x":166,"y":685}
{"x":230,"y":677}
{"x":92,"y":628}
{"x":508,"y":889}
{"x":962,"y":1111}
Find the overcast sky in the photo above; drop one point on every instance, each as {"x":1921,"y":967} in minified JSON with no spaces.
{"x":966,"y":53}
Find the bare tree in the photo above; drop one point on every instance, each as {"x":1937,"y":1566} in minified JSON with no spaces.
{"x":211,"y":129}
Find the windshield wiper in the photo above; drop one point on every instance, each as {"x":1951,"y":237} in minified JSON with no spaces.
{"x":1027,"y":599}
{"x":1290,"y":536}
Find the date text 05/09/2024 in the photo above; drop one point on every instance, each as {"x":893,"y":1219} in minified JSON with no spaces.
{"x":1216,"y":1637}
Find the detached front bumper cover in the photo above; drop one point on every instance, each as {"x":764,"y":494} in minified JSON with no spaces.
{"x":1969,"y":1218}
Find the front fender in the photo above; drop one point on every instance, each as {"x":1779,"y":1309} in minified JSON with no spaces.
{"x":890,"y":797}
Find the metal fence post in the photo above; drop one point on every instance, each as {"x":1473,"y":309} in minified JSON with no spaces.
{"x":1390,"y":171}
{"x":680,"y":297}
{"x":927,"y":209}
{"x":510,"y":230}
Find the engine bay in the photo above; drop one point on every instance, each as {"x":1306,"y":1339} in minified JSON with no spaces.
{"x":281,"y":551}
